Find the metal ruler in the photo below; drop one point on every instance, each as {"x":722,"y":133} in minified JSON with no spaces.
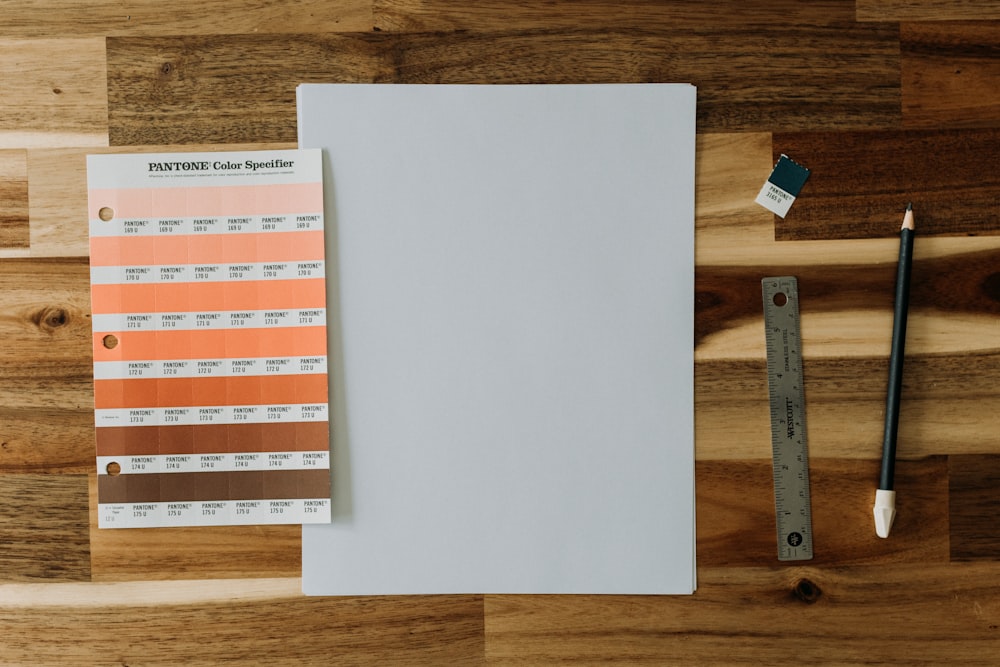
{"x":790,"y":453}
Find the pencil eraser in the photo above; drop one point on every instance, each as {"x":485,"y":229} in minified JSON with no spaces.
{"x":782,"y":186}
{"x":885,"y":511}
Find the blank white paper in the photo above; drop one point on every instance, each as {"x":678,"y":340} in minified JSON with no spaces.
{"x":511,"y":290}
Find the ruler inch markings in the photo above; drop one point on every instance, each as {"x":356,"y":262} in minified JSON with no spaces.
{"x":786,"y":393}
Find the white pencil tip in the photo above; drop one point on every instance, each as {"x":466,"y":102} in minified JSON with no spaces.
{"x":885,"y":511}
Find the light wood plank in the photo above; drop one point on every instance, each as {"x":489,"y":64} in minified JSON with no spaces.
{"x":55,"y":18}
{"x":948,"y":74}
{"x":948,"y":402}
{"x":927,"y":10}
{"x":53,"y":92}
{"x":47,"y":380}
{"x":973,"y":499}
{"x":58,"y":193}
{"x":13,"y":202}
{"x":494,"y":15}
{"x":43,"y":528}
{"x":736,"y":526}
{"x":914,"y":614}
{"x":265,"y":621}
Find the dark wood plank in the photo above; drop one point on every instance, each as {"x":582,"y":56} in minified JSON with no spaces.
{"x":494,"y":15}
{"x":54,"y":18}
{"x":234,"y":89}
{"x":904,"y":614}
{"x":262,"y":622}
{"x":927,"y":10}
{"x":13,"y":201}
{"x":974,"y":495}
{"x":736,"y":527}
{"x":43,"y":528}
{"x":241,"y":88}
{"x":737,"y":90}
{"x":47,"y":375}
{"x":860,"y":183}
{"x":948,"y":74}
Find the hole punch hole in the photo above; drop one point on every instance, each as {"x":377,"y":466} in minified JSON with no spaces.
{"x":780,"y":299}
{"x":110,"y":341}
{"x":106,"y":213}
{"x":114,"y":468}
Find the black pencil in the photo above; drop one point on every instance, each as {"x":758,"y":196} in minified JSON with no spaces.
{"x":885,"y":497}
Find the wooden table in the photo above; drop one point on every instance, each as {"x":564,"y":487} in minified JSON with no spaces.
{"x":885,"y":100}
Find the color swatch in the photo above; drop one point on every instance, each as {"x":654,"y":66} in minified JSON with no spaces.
{"x":208,"y":295}
{"x":782,"y":186}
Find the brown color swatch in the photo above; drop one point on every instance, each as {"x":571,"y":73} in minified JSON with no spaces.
{"x":208,"y":486}
{"x":213,"y":439}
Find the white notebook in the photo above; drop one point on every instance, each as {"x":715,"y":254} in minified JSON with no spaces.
{"x":511,"y":285}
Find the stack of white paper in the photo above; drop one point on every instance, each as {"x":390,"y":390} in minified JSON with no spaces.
{"x":513,"y":268}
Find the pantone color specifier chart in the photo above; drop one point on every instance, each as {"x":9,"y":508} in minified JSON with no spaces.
{"x":208,"y":290}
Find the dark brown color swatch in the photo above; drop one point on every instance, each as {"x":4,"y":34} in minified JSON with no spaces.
{"x":208,"y":486}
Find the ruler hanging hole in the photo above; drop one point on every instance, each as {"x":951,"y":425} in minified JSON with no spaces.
{"x":110,"y":341}
{"x":106,"y":213}
{"x":780,"y":299}
{"x":113,"y":468}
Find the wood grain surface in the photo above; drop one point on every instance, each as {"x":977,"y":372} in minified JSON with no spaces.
{"x":886,"y":102}
{"x":949,"y":72}
{"x":863,"y":181}
{"x":14,"y":234}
